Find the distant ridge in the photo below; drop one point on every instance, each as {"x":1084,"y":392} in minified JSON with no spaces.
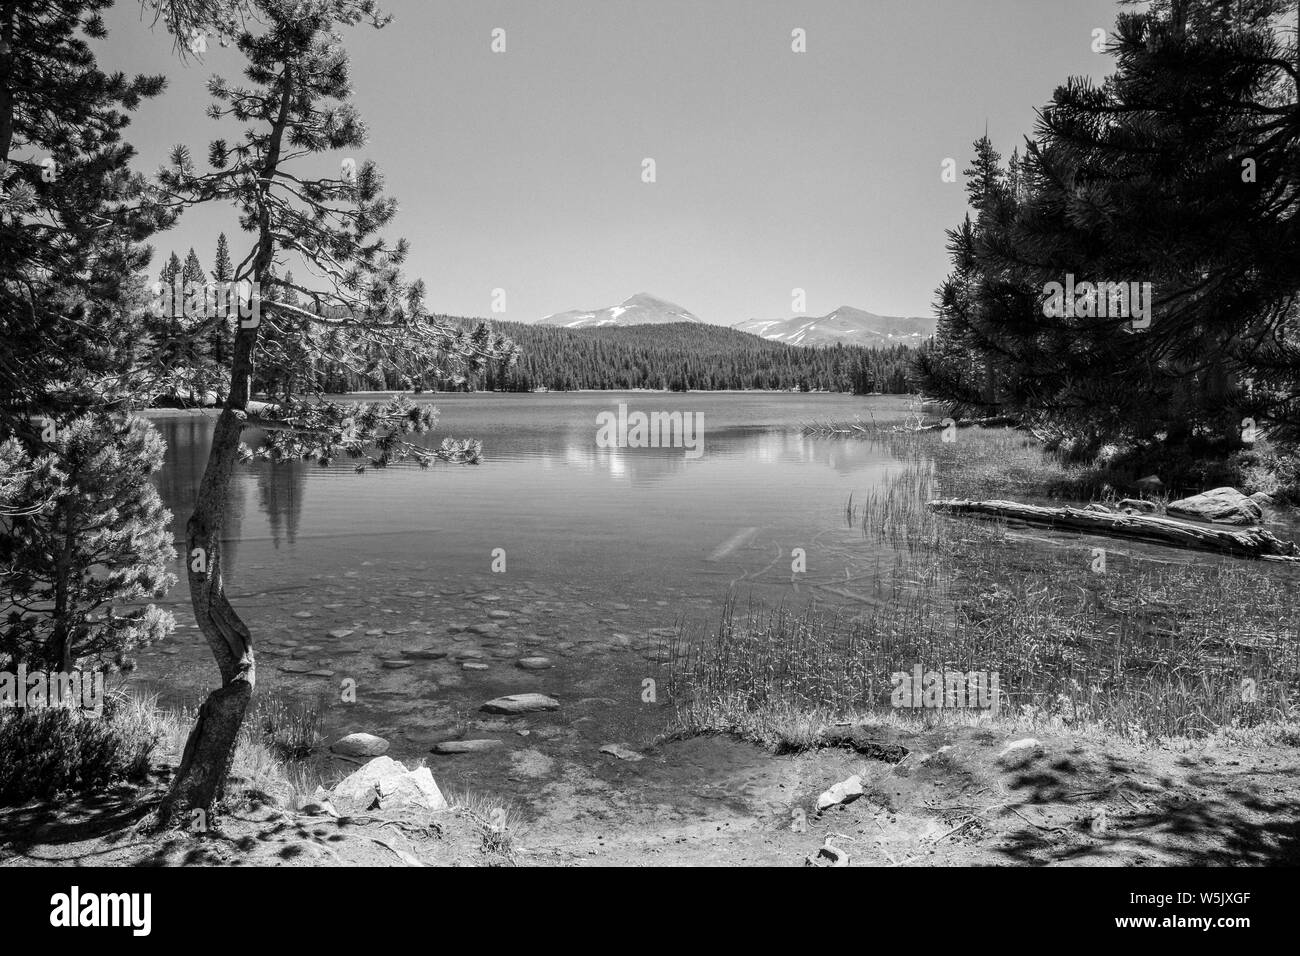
{"x":845,"y":326}
{"x":639,"y":309}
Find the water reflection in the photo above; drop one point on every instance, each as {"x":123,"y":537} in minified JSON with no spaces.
{"x":281,"y":491}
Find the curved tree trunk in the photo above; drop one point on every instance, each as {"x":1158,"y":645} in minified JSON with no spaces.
{"x":200,"y":780}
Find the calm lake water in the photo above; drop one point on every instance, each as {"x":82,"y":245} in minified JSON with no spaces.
{"x":602,"y":546}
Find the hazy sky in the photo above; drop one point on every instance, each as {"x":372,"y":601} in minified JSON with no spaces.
{"x":775,"y":170}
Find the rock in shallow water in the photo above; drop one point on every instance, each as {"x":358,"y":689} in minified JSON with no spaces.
{"x":467,"y":746}
{"x":535,"y":663}
{"x":521,"y":704}
{"x":1220,"y":505}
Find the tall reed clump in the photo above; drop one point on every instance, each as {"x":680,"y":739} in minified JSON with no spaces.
{"x":1145,"y":647}
{"x":276,"y":753}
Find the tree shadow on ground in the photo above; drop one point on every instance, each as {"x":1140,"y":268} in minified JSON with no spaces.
{"x":1210,"y":817}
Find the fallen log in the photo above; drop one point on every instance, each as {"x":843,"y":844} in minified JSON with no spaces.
{"x":1241,"y":542}
{"x":993,"y":421}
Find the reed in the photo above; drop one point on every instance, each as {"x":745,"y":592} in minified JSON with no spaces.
{"x":1149,"y":649}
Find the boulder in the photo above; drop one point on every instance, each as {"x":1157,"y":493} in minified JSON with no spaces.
{"x":1219,"y":505}
{"x":1149,"y":483}
{"x":414,"y":788}
{"x":360,"y":745}
{"x":385,"y":783}
{"x":521,"y":704}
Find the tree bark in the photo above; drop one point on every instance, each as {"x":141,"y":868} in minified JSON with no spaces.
{"x":201,"y":778}
{"x":8,"y":13}
{"x":1241,"y":542}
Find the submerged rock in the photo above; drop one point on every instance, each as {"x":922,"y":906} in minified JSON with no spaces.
{"x":448,"y":747}
{"x":521,"y":704}
{"x":535,"y":663}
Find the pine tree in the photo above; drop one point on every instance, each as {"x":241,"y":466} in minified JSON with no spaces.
{"x":171,"y":271}
{"x":294,"y":108}
{"x":223,"y":273}
{"x":86,"y":533}
{"x":1142,"y":180}
{"x":73,"y":219}
{"x":193,"y":270}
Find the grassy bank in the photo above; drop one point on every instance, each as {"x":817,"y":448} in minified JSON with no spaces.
{"x":1152,"y":645}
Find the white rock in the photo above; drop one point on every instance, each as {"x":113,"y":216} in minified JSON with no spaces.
{"x":415,"y":788}
{"x":846,"y":791}
{"x":365,"y":786}
{"x":387,"y":783}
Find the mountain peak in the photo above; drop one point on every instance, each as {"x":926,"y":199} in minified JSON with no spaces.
{"x":639,"y":309}
{"x":846,"y":325}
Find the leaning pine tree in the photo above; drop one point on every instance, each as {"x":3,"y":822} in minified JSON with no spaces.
{"x":358,"y":312}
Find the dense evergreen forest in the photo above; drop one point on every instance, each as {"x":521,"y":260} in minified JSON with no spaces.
{"x":675,"y":356}
{"x":687,"y":355}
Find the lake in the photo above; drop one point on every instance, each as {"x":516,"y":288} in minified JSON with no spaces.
{"x":596,"y":549}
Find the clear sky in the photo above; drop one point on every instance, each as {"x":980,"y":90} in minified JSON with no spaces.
{"x":775,"y":170}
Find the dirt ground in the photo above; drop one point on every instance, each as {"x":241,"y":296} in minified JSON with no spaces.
{"x":955,"y":798}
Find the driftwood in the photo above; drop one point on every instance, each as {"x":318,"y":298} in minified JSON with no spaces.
{"x":995,"y":421}
{"x":1241,"y":542}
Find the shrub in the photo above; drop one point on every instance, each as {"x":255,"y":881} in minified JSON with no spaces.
{"x":51,"y":751}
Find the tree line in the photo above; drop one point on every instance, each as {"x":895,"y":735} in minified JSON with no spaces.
{"x":674,"y":357}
